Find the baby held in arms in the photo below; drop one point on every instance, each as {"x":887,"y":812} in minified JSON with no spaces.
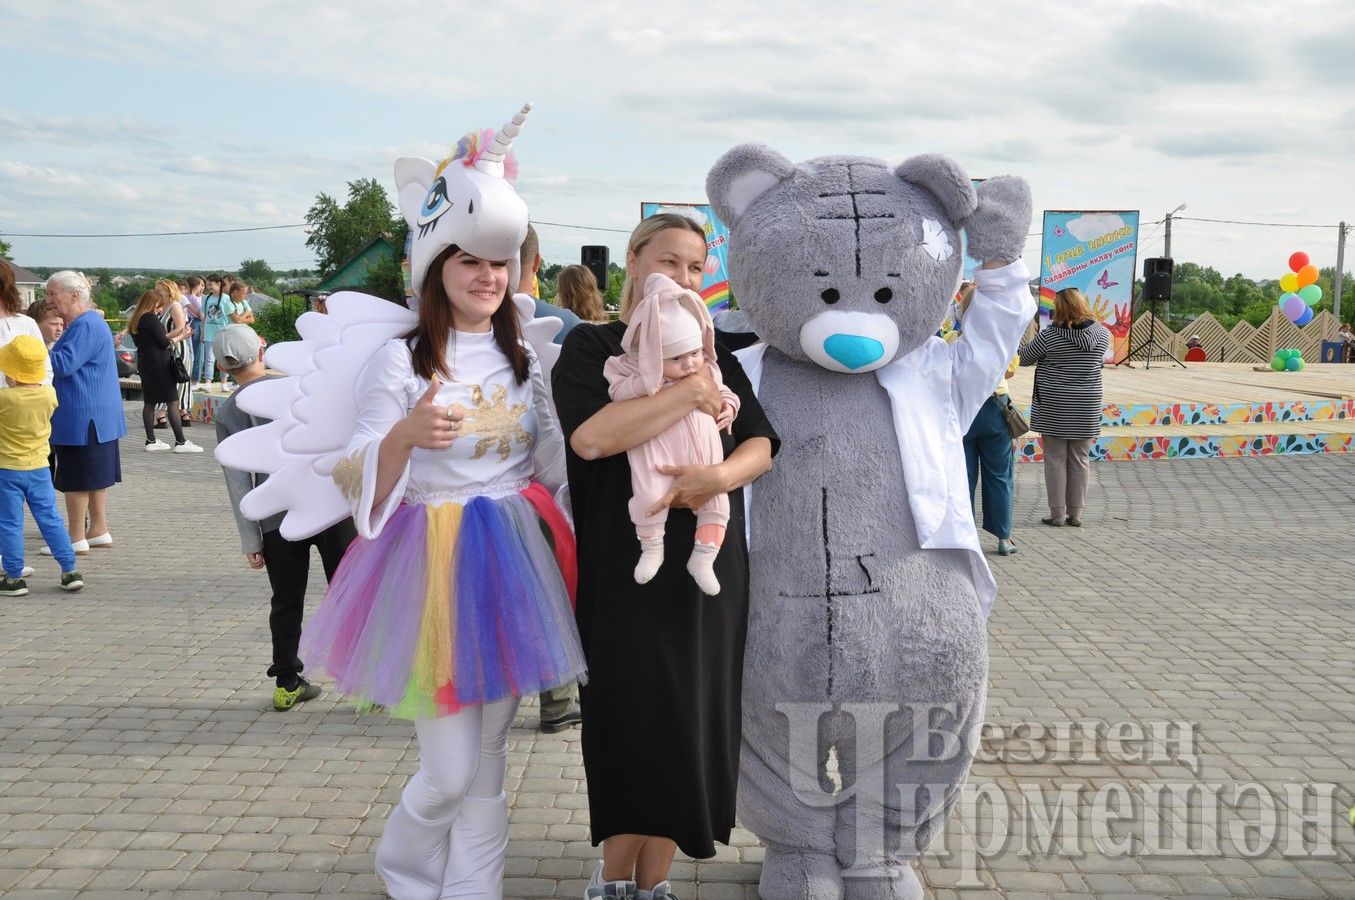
{"x":670,"y":336}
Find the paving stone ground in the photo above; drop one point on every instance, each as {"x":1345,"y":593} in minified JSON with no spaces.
{"x":139,"y":755}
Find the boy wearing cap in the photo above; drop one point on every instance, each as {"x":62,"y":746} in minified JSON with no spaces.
{"x":26,"y":408}
{"x":236,"y":348}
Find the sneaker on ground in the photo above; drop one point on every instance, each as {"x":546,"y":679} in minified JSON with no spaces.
{"x":285,"y":698}
{"x":156,"y":446}
{"x":567,"y":719}
{"x":103,"y":540}
{"x":27,"y":570}
{"x":598,"y":889}
{"x":187,"y":447}
{"x":13,"y":587}
{"x":661,"y":891}
{"x":71,"y":581}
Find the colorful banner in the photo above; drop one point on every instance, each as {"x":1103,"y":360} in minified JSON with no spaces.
{"x":715,"y":286}
{"x":1095,"y":251}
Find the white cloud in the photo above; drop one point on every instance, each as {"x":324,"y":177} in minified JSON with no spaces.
{"x":1085,"y":228}
{"x":1102,"y":105}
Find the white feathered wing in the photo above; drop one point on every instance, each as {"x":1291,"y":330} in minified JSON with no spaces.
{"x":314,"y":407}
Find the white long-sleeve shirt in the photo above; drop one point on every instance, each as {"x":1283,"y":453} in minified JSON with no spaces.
{"x":508,"y":437}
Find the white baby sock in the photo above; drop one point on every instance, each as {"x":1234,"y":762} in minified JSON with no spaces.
{"x":701,"y":566}
{"x":651,"y":558}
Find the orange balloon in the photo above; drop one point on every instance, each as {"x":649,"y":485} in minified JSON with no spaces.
{"x":1307,"y":275}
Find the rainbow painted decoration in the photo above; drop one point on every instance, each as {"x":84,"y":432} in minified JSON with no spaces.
{"x":716,"y":297}
{"x":1047,"y":301}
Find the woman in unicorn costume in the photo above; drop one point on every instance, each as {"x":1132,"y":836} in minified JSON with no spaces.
{"x":457,"y":597}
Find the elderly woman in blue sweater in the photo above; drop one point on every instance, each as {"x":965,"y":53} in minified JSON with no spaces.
{"x":88,"y":419}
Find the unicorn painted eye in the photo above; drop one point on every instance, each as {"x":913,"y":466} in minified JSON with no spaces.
{"x":435,"y":204}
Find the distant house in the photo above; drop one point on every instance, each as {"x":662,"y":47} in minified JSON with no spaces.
{"x":119,"y":281}
{"x":28,"y":283}
{"x":353,"y":272}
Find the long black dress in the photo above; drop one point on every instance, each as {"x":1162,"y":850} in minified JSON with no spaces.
{"x":661,"y":711}
{"x":153,"y":350}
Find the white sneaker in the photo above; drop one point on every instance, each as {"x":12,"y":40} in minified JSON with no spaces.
{"x":103,"y":540}
{"x":187,"y":447}
{"x":156,"y":446}
{"x":27,"y":570}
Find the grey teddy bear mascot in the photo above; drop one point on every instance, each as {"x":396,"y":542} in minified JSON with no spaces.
{"x":868,"y":590}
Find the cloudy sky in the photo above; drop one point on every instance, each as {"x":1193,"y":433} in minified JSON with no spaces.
{"x":152,"y":115}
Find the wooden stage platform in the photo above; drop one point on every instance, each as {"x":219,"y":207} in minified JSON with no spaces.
{"x":1214,"y":409}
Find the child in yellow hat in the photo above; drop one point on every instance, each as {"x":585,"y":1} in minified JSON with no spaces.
{"x":26,"y":408}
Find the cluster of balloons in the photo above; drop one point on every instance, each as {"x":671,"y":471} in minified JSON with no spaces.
{"x":1301,"y":290}
{"x":1288,"y":361}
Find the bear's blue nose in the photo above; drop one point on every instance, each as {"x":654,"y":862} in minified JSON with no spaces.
{"x":852,"y":350}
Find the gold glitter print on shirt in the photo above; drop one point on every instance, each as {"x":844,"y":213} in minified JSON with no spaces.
{"x":497,"y":423}
{"x":348,"y":474}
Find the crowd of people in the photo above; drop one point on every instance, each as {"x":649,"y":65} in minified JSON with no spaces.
{"x":679,"y":696}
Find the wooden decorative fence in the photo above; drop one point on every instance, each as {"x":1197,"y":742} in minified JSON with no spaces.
{"x":1244,"y":342}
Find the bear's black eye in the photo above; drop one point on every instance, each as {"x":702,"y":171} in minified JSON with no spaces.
{"x":830,"y":296}
{"x":884,"y":295}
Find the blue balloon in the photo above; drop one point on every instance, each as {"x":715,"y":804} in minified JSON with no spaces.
{"x":1293,"y":363}
{"x":1306,"y":317}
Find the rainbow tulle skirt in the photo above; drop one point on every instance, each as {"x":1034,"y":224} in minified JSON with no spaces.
{"x":453,"y":605}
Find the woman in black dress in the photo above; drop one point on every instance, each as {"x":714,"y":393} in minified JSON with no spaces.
{"x":661,"y":711}
{"x":154,"y":364}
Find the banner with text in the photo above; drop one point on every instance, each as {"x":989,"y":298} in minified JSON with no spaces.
{"x":1095,"y":251}
{"x":715,"y":286}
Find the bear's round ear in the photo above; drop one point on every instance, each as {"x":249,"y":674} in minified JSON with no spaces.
{"x":741,"y":176}
{"x":945,"y":180}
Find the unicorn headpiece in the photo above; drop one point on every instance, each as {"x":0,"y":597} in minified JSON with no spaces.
{"x":467,"y":200}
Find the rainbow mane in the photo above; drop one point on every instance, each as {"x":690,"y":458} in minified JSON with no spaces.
{"x":472,"y":146}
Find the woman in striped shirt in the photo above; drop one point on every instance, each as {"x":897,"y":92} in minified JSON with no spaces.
{"x":1067,"y":355}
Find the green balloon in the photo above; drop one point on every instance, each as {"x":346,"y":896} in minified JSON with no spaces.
{"x":1283,"y":353}
{"x":1301,"y":364}
{"x":1311,"y":294}
{"x":1277,"y":364}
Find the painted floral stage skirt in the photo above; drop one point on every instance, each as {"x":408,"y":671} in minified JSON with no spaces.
{"x":453,"y":605}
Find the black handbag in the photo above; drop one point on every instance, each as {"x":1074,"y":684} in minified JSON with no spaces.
{"x":1017,"y":426}
{"x":177,"y":369}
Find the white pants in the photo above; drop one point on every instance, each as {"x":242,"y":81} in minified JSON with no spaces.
{"x":449,"y":834}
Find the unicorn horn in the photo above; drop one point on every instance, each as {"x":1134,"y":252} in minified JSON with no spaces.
{"x":491,"y":160}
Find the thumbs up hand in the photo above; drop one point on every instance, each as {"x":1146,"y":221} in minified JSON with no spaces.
{"x":429,"y":426}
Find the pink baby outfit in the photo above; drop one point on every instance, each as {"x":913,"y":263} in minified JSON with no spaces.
{"x":693,"y":439}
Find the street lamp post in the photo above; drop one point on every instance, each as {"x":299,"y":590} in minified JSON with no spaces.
{"x":1167,"y":237}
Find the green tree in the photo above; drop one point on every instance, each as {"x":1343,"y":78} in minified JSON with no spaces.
{"x":256,"y":271}
{"x":385,"y":279}
{"x":276,"y":322}
{"x":337,"y":232}
{"x":4,"y":248}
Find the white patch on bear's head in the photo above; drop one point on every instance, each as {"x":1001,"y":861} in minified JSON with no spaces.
{"x":935,"y":241}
